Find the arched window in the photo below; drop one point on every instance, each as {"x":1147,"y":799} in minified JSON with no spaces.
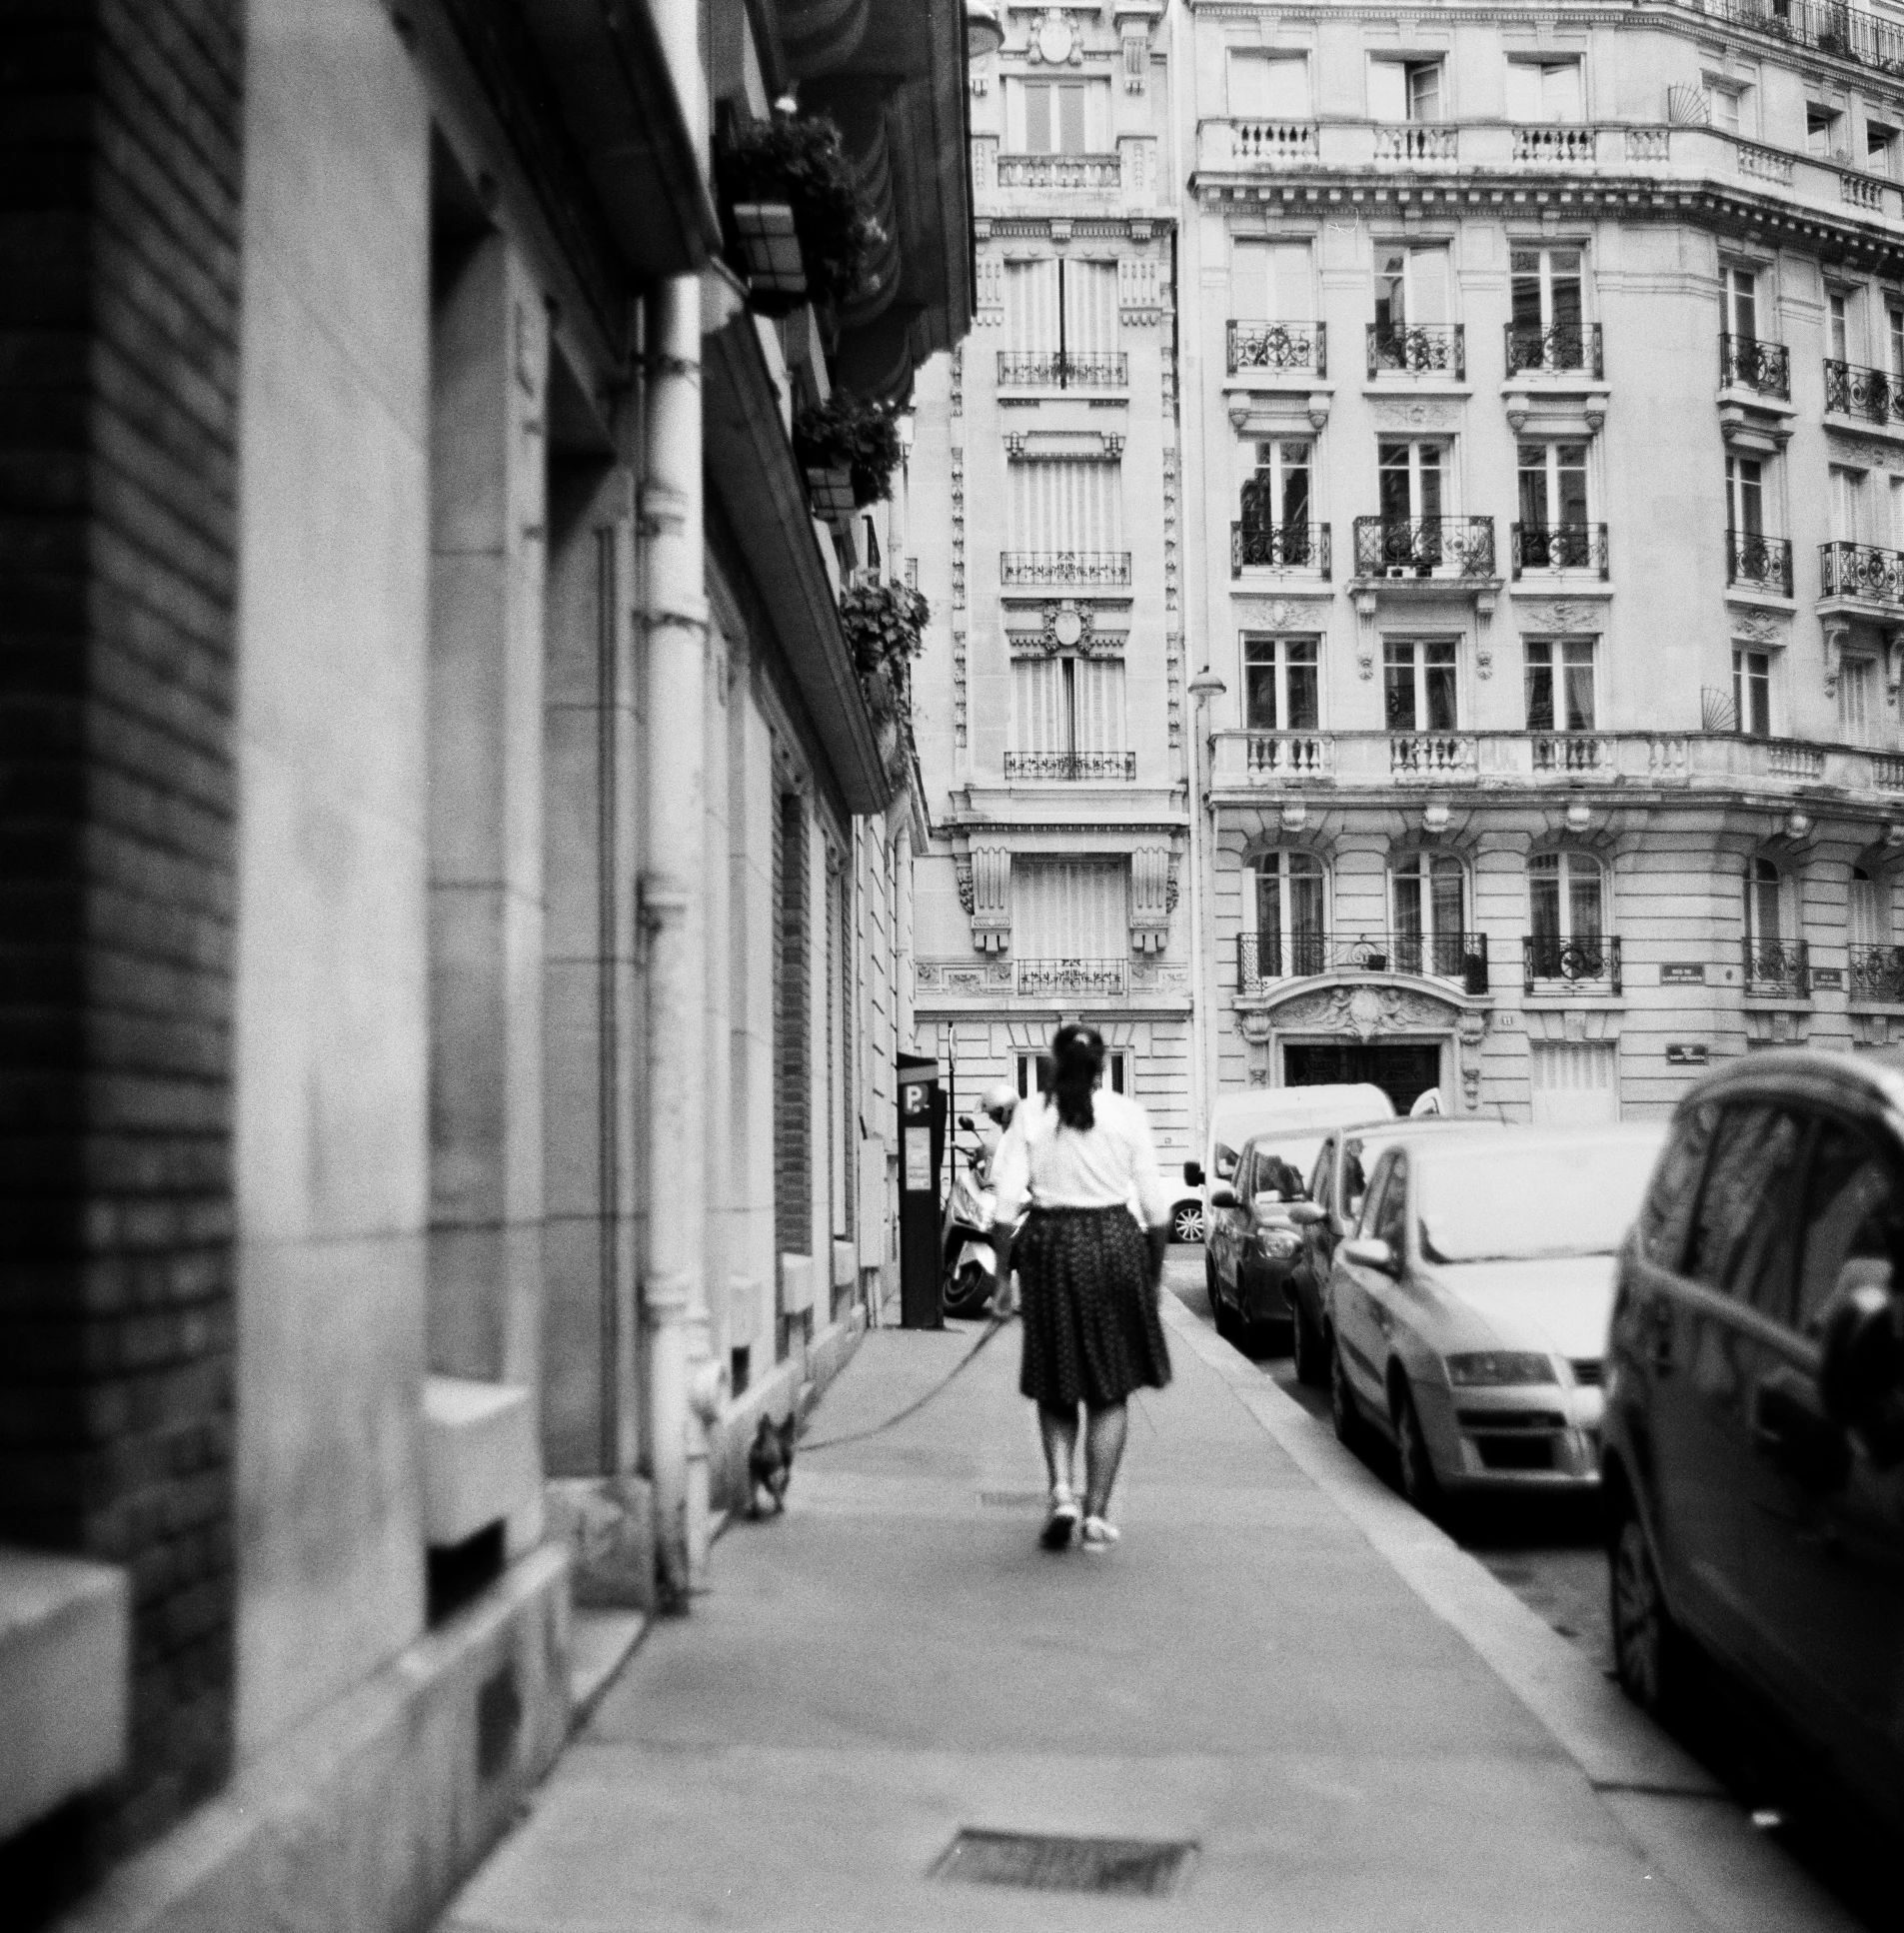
{"x":1877,"y":967}
{"x":1774,"y":963}
{"x":1292,"y":914}
{"x":1566,"y":916}
{"x":1428,"y":891}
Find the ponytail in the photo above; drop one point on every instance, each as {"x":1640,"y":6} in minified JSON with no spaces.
{"x":1077,"y":1053}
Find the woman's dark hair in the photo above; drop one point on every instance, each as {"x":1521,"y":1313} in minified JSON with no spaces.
{"x":1078,"y":1054}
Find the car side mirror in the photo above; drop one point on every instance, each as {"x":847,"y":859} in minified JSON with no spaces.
{"x":1306,"y":1214}
{"x":1370,"y":1251}
{"x":1193,"y":1173}
{"x":1861,"y":1366}
{"x":1220,"y":1198}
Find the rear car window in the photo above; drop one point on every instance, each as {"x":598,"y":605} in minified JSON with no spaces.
{"x":1392,"y":1217}
{"x":1666,"y":1213}
{"x":1850,"y":1217}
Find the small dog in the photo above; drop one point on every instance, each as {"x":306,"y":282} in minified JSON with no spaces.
{"x":770,"y":1463}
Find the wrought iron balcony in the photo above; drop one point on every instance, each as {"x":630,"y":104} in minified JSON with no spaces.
{"x":1424,"y":547}
{"x":1063,"y":369}
{"x":1070,"y":765}
{"x":1777,"y":967}
{"x":1763,"y":562}
{"x":1569,"y":347}
{"x":1070,"y":976}
{"x":1432,"y":349}
{"x":1270,"y":956}
{"x":1750,"y":362}
{"x":1861,"y":571}
{"x":1559,"y":546}
{"x":1278,"y":345}
{"x":1876,"y":973}
{"x":1278,"y":547}
{"x":1833,"y":29}
{"x":1869,"y":393}
{"x":1063,"y":567}
{"x":1550,"y":964}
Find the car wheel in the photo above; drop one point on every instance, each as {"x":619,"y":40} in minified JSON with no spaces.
{"x":1418,"y":1482}
{"x":1186,"y":1223}
{"x":1342,"y":1412}
{"x":1649,"y":1650}
{"x":1310,"y":1360}
{"x":968,"y":1289}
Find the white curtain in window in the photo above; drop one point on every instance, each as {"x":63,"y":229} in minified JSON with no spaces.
{"x":1268,"y":87}
{"x":1541,"y":91}
{"x":1270,"y":282}
{"x":1090,"y":308}
{"x":1065,"y":506}
{"x":1099,"y":701}
{"x":1069,"y":909}
{"x":1031,"y":307}
{"x":1037,"y":701}
{"x":1866,"y":924}
{"x":1068,"y":705}
{"x":1856,"y":682}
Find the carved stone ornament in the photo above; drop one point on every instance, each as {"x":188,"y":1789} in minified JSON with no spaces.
{"x":1363,"y":1011}
{"x":1067,"y":627}
{"x":1416,"y":411}
{"x":1761,"y":626}
{"x":1558,"y":614}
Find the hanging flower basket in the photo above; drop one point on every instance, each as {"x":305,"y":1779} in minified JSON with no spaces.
{"x":861,"y":439}
{"x":795,"y":161}
{"x":885,"y":625}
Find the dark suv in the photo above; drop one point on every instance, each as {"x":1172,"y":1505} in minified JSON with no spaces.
{"x":1753,"y":1452}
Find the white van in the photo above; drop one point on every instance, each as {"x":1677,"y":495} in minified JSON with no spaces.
{"x":1235,"y":1118}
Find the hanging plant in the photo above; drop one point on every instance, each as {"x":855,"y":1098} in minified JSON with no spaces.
{"x":796,"y":160}
{"x":885,"y":625}
{"x":842,"y":433}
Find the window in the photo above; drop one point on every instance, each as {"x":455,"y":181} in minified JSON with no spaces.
{"x":1429,"y":892}
{"x":1419,"y":684}
{"x":1547,"y":90}
{"x":1838,"y":324}
{"x":1065,"y":506}
{"x":1764,"y":893}
{"x":1880,"y":148}
{"x":1268,"y":87}
{"x":1851,"y":1215}
{"x":1281,"y":688}
{"x":1071,"y":710}
{"x":1409,"y":476}
{"x":1070,"y":909}
{"x":1564,"y":899}
{"x":1866,"y":910}
{"x":1666,"y":1212}
{"x":1278,"y":493}
{"x":1822,"y":132}
{"x":1745,"y":496}
{"x":1894,"y":335}
{"x":1725,"y":106}
{"x":1545,"y":296}
{"x":1411,"y":290}
{"x":1035,"y":1075}
{"x":1560,"y":685}
{"x":1058,"y":117}
{"x":1292,"y":915}
{"x":1404,"y":90}
{"x":1553,"y":489}
{"x":1755,"y":1161}
{"x":1271,"y":282}
{"x":1388,"y":1214}
{"x":1741,"y":302}
{"x":1752,"y":692}
{"x":1848,"y":504}
{"x":1857,"y":711}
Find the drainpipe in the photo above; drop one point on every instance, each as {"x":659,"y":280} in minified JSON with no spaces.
{"x":674,"y":1245}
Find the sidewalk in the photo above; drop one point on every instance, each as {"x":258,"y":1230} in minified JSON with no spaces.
{"x":1356,"y":1724}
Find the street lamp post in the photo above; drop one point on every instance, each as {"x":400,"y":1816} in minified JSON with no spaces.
{"x":1204,"y":687}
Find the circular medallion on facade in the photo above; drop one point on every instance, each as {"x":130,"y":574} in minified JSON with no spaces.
{"x":1067,"y":627}
{"x":1054,"y":39}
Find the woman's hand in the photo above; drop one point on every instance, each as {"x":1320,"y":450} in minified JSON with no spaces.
{"x":1160,"y":1240}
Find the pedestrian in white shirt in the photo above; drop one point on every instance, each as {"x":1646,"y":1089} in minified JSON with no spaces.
{"x":1088,"y":1274}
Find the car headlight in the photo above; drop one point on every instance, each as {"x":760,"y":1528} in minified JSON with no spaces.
{"x":1280,"y":1244}
{"x":1484,"y":1366}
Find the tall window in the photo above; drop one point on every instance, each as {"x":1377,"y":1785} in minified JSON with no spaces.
{"x":1563,"y":900}
{"x":1420,"y":684}
{"x":1741,"y":302}
{"x":1411,"y":290}
{"x":1292,"y":897}
{"x":1268,"y":87}
{"x":1838,"y":324}
{"x":1866,"y":923}
{"x":1560,"y":685}
{"x":1065,"y":506}
{"x":1544,"y":289}
{"x":1554,"y":486}
{"x":1278,"y":493}
{"x":1071,"y":710}
{"x":1063,"y":305}
{"x":1429,"y":893}
{"x":1058,"y":117}
{"x":1725,"y":106}
{"x":1752,"y":691}
{"x":1069,"y":909}
{"x":1404,"y":90}
{"x":1849,"y":506}
{"x":1857,"y":709}
{"x":1823,"y":131}
{"x":1409,"y":478}
{"x":1894,"y":335}
{"x":1763,"y":924}
{"x":1880,"y":148}
{"x":1280,"y":690}
{"x":1544,"y":90}
{"x":1745,"y":496}
{"x":1271,"y":282}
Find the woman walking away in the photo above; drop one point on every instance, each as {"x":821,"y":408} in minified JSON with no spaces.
{"x":1088,"y":1274}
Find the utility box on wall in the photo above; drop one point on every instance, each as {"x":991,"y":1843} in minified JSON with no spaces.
{"x":921,"y":1142}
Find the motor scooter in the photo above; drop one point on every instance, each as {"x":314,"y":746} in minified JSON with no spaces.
{"x":971,"y":1265}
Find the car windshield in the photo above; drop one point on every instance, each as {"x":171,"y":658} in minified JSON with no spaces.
{"x":1291,"y":1181}
{"x":1499,"y":1202}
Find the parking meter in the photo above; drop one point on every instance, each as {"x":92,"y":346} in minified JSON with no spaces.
{"x":921,"y":1148}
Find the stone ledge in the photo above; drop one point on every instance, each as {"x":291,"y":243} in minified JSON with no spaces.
{"x":479,"y":1457}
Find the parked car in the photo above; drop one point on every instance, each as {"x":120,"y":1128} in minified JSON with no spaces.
{"x":1235,"y":1118}
{"x":1753,"y":1457}
{"x":1251,"y":1246}
{"x":1327,"y":1216}
{"x":1467,"y":1313}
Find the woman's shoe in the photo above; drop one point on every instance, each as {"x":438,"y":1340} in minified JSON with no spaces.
{"x":1063,"y":1521}
{"x":1098,"y":1535}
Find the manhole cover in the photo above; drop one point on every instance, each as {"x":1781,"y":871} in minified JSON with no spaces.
{"x":1049,"y":1862}
{"x":1014,"y":1499}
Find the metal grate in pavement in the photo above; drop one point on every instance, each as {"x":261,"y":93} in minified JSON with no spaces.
{"x":1049,"y":1862}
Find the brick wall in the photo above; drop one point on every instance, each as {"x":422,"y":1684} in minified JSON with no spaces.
{"x":793,"y":1075}
{"x":119,"y":183}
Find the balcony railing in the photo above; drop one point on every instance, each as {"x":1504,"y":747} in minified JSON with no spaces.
{"x":1063,"y":567}
{"x":1876,"y":973}
{"x":1869,"y":393}
{"x":1581,"y":751}
{"x":1566,"y":346}
{"x":1832,"y":29}
{"x":1750,"y":362}
{"x":1072,"y":976}
{"x":1777,"y":967}
{"x":1424,"y":547}
{"x":1550,"y":964}
{"x":1064,"y":369}
{"x":1070,"y":765}
{"x":1278,"y":345}
{"x":1432,"y":349}
{"x":1288,"y":755}
{"x":1280,"y":547}
{"x":1059,"y":171}
{"x":1559,"y":546}
{"x":1270,"y":956}
{"x":1861,"y":571}
{"x":1433,"y":755}
{"x":1272,"y":140}
{"x":1764,"y":563}
{"x":1416,"y":141}
{"x":1555,"y":144}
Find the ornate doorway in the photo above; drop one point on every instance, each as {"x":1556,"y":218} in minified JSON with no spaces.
{"x":1403,"y":1069}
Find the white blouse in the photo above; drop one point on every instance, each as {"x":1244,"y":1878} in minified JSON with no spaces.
{"x":1112,"y":1164}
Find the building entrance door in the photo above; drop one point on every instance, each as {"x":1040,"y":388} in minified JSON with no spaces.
{"x":1404,"y":1071}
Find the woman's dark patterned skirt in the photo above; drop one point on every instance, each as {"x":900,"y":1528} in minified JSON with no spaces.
{"x":1091,"y":1331}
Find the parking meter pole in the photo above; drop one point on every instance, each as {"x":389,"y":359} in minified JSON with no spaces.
{"x":921,"y":1142}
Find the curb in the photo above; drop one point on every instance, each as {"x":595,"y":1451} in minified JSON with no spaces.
{"x":1690,"y":1829}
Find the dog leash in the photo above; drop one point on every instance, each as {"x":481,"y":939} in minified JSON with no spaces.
{"x":992,"y":1327}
